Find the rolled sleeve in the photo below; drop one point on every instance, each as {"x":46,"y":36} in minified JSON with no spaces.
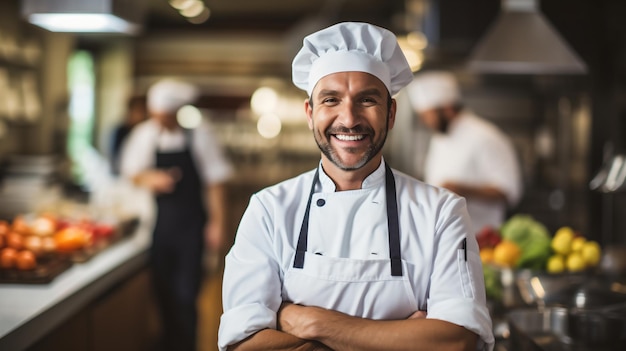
{"x":457,"y":292}
{"x":243,"y":321}
{"x":252,"y":285}
{"x":467,"y":313}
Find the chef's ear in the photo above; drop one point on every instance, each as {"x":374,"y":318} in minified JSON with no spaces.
{"x":308,"y":109}
{"x":391,"y":114}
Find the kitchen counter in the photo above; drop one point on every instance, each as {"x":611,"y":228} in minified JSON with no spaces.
{"x":28,"y":312}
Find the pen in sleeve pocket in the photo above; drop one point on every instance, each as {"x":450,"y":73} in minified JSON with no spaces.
{"x":464,"y":247}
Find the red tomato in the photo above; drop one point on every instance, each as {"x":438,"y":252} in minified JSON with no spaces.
{"x":15,"y":240}
{"x":7,"y":257}
{"x":25,"y":260}
{"x":4,"y":227}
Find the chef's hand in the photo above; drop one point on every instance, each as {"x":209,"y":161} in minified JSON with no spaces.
{"x":484,"y":192}
{"x":454,"y":187}
{"x":297,"y":320}
{"x":159,"y":181}
{"x":214,"y":236}
{"x":418,"y":315}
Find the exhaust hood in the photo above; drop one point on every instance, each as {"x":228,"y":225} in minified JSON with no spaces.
{"x":522,"y":41}
{"x":86,"y":16}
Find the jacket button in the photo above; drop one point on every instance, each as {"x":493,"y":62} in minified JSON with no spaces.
{"x":321,"y":202}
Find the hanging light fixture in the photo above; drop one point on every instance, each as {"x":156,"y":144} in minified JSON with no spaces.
{"x":86,"y":16}
{"x":522,"y":41}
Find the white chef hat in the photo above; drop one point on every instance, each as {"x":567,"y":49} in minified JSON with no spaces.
{"x":169,"y":95}
{"x":348,"y":47}
{"x":433,"y":89}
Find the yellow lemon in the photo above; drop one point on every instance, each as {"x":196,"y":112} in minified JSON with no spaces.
{"x":577,"y":243}
{"x":591,"y":253}
{"x":562,"y":241}
{"x":556,"y":264}
{"x":575,"y":262}
{"x":506,"y":253}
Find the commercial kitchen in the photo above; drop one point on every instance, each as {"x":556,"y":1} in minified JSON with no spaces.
{"x":551,"y":74}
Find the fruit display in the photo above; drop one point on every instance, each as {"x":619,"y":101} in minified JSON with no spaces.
{"x":520,"y":243}
{"x":524,"y":243}
{"x":572,"y":252}
{"x":34,"y":246}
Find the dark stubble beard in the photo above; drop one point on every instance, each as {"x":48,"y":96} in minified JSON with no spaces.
{"x":443,"y":123}
{"x":331,"y":154}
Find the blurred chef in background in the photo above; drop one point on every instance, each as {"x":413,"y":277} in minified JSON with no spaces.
{"x":467,"y":154}
{"x":186,"y":170}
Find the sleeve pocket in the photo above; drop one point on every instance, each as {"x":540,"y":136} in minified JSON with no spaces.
{"x":465,"y":271}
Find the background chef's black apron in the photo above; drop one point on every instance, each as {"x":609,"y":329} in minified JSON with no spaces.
{"x":177,"y":248}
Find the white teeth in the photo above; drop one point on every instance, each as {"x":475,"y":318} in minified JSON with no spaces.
{"x":349,"y":137}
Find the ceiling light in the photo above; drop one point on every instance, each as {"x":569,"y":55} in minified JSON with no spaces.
{"x":85,"y":16}
{"x":181,"y":4}
{"x":189,"y":117}
{"x":201,"y":18}
{"x":75,"y":22}
{"x":269,"y":126}
{"x":194,"y":10}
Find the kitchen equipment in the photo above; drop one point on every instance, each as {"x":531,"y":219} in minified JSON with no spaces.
{"x":522,"y":41}
{"x":557,"y":328}
{"x":538,"y":288}
{"x":532,"y":329}
{"x":596,"y":313}
{"x":570,"y":311}
{"x":614,"y":260}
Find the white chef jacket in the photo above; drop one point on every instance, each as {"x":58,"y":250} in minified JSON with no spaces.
{"x":433,"y":223}
{"x":475,"y":152}
{"x":139,"y":150}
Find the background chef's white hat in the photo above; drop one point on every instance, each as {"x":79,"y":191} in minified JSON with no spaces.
{"x":347,"y":47}
{"x":169,"y":95}
{"x":433,"y":89}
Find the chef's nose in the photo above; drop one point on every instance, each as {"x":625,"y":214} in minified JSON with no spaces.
{"x":349,"y":115}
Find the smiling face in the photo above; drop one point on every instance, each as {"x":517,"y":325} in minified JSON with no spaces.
{"x":350,"y":115}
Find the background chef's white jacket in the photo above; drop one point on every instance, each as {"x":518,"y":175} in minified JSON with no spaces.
{"x":433,"y":223}
{"x":139,"y":150}
{"x":475,"y":152}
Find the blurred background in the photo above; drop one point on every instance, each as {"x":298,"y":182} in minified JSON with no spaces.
{"x":64,"y":90}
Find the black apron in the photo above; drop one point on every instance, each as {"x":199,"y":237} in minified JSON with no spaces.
{"x":177,"y":248}
{"x":392,"y":224}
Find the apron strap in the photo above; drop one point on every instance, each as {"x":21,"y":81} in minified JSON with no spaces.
{"x":304,"y":229}
{"x":392,"y":223}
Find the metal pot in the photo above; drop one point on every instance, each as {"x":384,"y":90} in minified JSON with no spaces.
{"x":596,"y":316}
{"x":596,"y":328}
{"x":533,"y":329}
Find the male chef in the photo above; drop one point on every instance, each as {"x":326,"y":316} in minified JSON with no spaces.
{"x":353,"y":255}
{"x":467,"y":154}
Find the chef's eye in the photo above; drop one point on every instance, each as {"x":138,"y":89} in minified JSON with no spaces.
{"x":368,"y":101}
{"x":330,"y":101}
